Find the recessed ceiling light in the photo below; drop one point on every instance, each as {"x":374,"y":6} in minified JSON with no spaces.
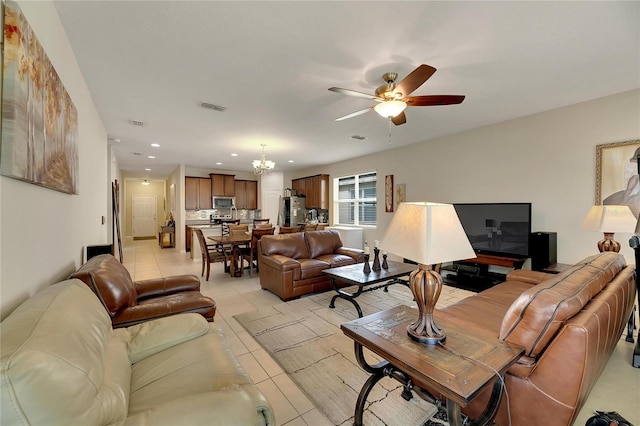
{"x":155,"y":145}
{"x":234,"y":155}
{"x":218,"y":164}
{"x":151,"y":156}
{"x":290,"y":161}
{"x":146,"y":169}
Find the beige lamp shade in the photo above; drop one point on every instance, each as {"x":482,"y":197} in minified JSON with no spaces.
{"x":609,"y":219}
{"x":427,"y":233}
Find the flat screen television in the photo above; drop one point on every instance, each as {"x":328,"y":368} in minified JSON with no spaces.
{"x":501,"y":229}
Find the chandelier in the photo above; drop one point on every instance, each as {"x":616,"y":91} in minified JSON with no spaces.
{"x":263,"y":166}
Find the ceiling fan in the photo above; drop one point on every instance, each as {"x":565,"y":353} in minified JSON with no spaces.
{"x":394,"y":98}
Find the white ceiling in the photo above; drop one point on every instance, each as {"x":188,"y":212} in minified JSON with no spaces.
{"x":270,"y":64}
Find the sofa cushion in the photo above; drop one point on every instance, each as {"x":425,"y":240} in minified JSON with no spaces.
{"x":61,"y":339}
{"x":335,"y":260}
{"x":110,"y":281}
{"x":289,"y":245}
{"x":151,"y":337}
{"x":322,"y":242}
{"x":535,"y":317}
{"x":311,"y":268}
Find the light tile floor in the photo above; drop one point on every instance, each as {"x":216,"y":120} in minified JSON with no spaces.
{"x":618,"y":388}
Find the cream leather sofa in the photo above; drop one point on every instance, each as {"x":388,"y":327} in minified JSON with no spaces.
{"x":63,"y":363}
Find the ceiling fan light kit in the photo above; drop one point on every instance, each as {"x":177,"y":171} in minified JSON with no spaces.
{"x":263,"y":165}
{"x":394,"y":98}
{"x":389,"y":109}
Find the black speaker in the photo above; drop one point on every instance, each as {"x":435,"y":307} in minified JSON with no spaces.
{"x":98,"y":249}
{"x":543,"y":249}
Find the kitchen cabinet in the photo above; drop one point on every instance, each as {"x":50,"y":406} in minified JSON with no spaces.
{"x":246,"y":194}
{"x":315,"y":189}
{"x":197,"y":193}
{"x":223,"y":185}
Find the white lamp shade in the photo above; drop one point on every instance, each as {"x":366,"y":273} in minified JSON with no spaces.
{"x":609,"y":219}
{"x":390,"y":108}
{"x":427,"y":233}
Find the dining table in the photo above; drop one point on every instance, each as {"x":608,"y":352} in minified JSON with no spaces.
{"x":235,"y":241}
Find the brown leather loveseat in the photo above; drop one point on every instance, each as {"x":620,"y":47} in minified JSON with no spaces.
{"x":569,"y":324}
{"x":128,"y":302}
{"x":291,"y":264}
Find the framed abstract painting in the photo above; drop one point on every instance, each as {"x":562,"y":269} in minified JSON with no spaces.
{"x":39,"y":120}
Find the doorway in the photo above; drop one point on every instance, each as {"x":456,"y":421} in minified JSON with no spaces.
{"x":144,"y":216}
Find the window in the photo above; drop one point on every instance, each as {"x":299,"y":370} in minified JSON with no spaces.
{"x":357,"y":200}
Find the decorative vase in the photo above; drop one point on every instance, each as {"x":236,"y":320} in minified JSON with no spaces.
{"x":376,"y":259}
{"x":385,"y":265}
{"x":367,"y":268}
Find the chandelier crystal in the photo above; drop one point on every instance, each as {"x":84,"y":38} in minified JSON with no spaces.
{"x":262,"y":165}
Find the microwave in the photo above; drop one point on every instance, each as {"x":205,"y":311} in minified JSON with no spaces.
{"x":224,"y":202}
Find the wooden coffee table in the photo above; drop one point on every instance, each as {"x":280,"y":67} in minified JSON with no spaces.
{"x":459,"y":368}
{"x":355,"y":275}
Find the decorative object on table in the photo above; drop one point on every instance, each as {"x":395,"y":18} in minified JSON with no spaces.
{"x":367,"y":267}
{"x":388,"y":193}
{"x":609,"y":220}
{"x":427,"y":233}
{"x":617,"y":174}
{"x":39,"y":119}
{"x":376,"y":259}
{"x":385,"y":265}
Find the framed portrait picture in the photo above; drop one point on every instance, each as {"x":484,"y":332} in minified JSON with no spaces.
{"x":388,"y":193}
{"x":617,"y":174}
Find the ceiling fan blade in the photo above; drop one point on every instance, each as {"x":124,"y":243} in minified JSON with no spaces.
{"x":355,"y":94}
{"x":415,"y":79}
{"x":399,"y":119}
{"x":429,"y":100}
{"x":354,"y":114}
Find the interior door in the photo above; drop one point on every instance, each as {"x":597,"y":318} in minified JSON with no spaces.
{"x":144,"y":216}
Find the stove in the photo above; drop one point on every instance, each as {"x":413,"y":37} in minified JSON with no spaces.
{"x":218,"y":219}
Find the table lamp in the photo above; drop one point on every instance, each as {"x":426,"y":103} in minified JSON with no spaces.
{"x":609,"y":219}
{"x":427,"y":233}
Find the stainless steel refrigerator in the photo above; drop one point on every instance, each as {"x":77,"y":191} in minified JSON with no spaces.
{"x":292,"y":211}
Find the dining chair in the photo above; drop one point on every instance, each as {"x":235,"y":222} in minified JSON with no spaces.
{"x":288,"y":229}
{"x":210,"y":254}
{"x":261,"y":222}
{"x":251,"y":254}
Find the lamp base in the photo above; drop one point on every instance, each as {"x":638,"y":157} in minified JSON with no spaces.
{"x":608,"y":243}
{"x":425,"y":285}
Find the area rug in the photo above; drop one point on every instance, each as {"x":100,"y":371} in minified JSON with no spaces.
{"x":304,"y":337}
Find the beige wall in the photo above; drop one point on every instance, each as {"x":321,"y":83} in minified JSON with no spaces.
{"x":547,"y":159}
{"x":43,"y":232}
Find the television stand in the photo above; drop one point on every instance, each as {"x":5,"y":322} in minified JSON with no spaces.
{"x":474,"y":275}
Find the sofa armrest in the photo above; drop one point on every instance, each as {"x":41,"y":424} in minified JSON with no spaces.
{"x":159,"y":286}
{"x":356,"y":254}
{"x":526,"y":276}
{"x":280,"y":262}
{"x":238,"y":405}
{"x":151,"y":337}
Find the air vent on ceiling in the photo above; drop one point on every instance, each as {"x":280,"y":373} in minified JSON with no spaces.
{"x":136,"y":153}
{"x":358,"y":137}
{"x":214,"y":107}
{"x":136,"y":122}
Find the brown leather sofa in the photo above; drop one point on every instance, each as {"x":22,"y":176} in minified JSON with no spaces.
{"x":291,"y":264}
{"x":128,"y":302}
{"x":568,"y":324}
